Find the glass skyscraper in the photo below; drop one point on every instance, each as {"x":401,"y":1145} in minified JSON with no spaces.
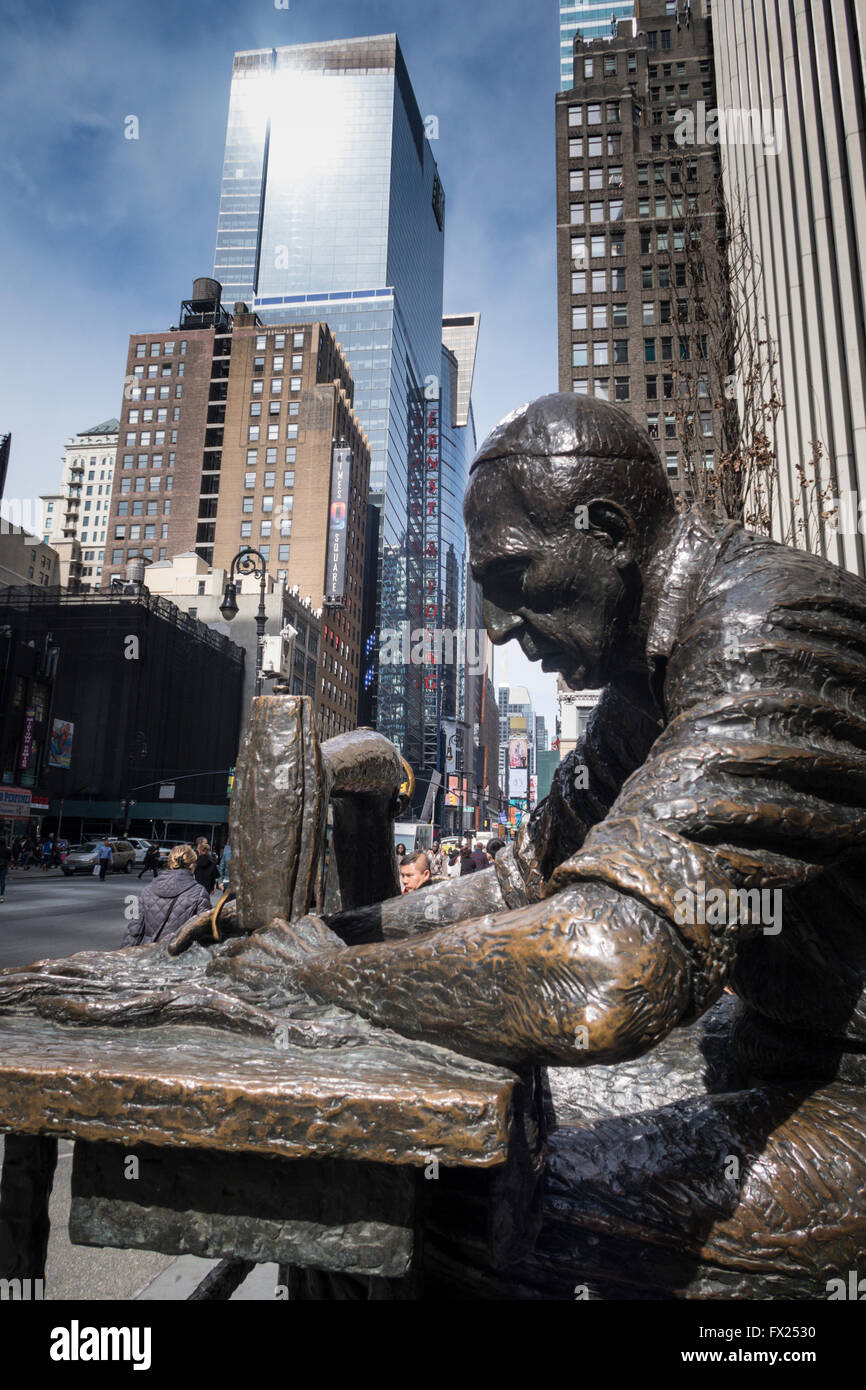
{"x":592,"y":19}
{"x":331,"y":209}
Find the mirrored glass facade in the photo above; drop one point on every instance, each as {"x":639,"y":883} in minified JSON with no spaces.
{"x":592,"y":19}
{"x":331,"y":209}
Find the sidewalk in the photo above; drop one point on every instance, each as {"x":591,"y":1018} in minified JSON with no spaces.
{"x":79,"y":1272}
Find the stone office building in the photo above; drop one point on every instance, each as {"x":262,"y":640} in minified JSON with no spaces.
{"x":75,"y":519}
{"x":190,"y":583}
{"x":804,"y":191}
{"x":631,"y":202}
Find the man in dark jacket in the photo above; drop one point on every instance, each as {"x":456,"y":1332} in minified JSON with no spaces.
{"x":471,"y":860}
{"x":151,"y":861}
{"x":5,"y":861}
{"x":168,"y":902}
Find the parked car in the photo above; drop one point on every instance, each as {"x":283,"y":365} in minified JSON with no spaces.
{"x":140,"y":846}
{"x":82,"y":859}
{"x":165,"y":847}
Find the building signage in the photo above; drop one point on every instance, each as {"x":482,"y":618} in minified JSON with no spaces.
{"x":60,"y":747}
{"x":14,"y":802}
{"x":518,"y":753}
{"x":27,"y":739}
{"x":338,"y":527}
{"x":432,"y":594}
{"x":518,"y":783}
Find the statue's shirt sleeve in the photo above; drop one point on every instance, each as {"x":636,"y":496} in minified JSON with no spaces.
{"x":758,"y":781}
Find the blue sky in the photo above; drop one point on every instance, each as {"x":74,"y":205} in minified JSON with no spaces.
{"x":102,"y":236}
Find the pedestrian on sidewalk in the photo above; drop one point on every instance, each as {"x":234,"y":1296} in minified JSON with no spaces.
{"x":225,"y":860}
{"x":26,"y":851}
{"x":105,"y":859}
{"x":438,"y":861}
{"x":151,"y":861}
{"x":166,"y":905}
{"x":471,"y":860}
{"x":206,"y":867}
{"x":414,"y":871}
{"x":47,"y":853}
{"x":5,"y":860}
{"x":16,"y":852}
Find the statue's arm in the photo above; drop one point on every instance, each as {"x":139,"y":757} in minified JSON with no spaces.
{"x":585,"y":786}
{"x":455,"y":900}
{"x":589,"y":975}
{"x":600,"y":971}
{"x":621,"y":951}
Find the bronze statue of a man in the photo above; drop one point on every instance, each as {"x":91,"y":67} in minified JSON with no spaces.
{"x":708,"y":830}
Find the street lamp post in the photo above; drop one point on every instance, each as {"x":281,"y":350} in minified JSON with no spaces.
{"x":248,"y":562}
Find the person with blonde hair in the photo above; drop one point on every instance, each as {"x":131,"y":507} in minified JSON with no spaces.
{"x":169,"y":901}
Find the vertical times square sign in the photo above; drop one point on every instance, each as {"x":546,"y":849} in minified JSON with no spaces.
{"x":431,"y":576}
{"x":338,"y":524}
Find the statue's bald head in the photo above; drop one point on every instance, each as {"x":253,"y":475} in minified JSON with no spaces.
{"x":567,"y":509}
{"x":581,"y":449}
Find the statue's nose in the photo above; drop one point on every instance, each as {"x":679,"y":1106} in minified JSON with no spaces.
{"x":500,"y":624}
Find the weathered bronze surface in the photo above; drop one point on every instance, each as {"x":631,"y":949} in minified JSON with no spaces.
{"x":357,"y":1218}
{"x":317,"y":1084}
{"x":707,"y":832}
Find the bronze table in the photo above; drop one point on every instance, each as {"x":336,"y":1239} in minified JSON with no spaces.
{"x":196,"y":1141}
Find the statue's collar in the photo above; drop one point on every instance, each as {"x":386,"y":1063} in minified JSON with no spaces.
{"x":685,"y":565}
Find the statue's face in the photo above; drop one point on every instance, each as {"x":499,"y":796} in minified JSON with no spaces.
{"x":555,"y":588}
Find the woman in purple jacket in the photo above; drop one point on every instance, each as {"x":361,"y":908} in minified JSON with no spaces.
{"x":169,"y":901}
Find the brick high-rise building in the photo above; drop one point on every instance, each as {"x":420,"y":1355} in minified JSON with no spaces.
{"x":227,"y":440}
{"x":169,"y":450}
{"x":631,"y":201}
{"x":288,"y":422}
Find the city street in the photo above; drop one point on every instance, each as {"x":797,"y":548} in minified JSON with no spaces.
{"x":47,"y":914}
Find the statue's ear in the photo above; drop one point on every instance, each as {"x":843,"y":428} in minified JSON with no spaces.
{"x":614,"y":525}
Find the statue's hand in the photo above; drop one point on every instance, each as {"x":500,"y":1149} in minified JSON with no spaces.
{"x":200,"y":928}
{"x":281,"y":948}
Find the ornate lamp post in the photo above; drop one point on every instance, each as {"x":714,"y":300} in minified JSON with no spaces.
{"x":248,"y":562}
